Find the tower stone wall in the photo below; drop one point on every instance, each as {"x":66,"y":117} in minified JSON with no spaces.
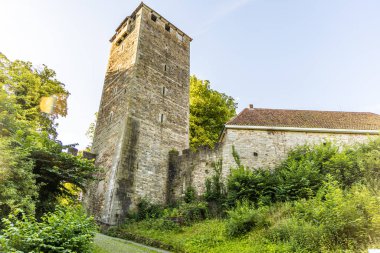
{"x":143,"y":114}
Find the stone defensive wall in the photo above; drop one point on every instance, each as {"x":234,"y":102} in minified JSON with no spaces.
{"x":191,"y":169}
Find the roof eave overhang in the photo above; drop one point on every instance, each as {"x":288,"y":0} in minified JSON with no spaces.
{"x":301,"y":129}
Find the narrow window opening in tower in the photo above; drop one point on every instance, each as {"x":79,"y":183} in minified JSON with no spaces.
{"x":162,"y":118}
{"x":122,"y":48}
{"x":164,"y":91}
{"x":167,"y":27}
{"x":110,"y":117}
{"x":153,"y":17}
{"x":166,"y":68}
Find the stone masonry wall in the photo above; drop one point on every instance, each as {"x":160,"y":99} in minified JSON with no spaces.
{"x":257,"y":149}
{"x":266,"y":149}
{"x":192,"y":169}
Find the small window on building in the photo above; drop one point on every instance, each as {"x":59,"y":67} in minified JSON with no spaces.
{"x":110,"y":117}
{"x":153,"y":17}
{"x":166,"y":67}
{"x":167,"y":27}
{"x":164,"y":91}
{"x":162,"y":118}
{"x":255,"y":154}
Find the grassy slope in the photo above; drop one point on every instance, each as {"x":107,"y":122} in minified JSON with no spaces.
{"x":207,"y":236}
{"x":106,"y":244}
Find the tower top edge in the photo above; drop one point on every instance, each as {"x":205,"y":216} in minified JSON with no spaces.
{"x":143,"y":5}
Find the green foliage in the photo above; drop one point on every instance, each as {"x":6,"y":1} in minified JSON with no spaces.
{"x":245,"y":217}
{"x":17,"y":182}
{"x":34,"y":167}
{"x":27,"y":86}
{"x":147,"y":210}
{"x":257,"y":186}
{"x":54,"y":169}
{"x":193,"y":212}
{"x":209,"y":111}
{"x":350,"y":219}
{"x":303,"y":172}
{"x":65,"y":230}
{"x":190,"y":195}
{"x":300,"y":235}
{"x":215,"y":189}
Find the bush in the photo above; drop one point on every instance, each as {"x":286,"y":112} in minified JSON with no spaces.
{"x":193,"y":212}
{"x":256,"y":186}
{"x":245,"y":217}
{"x":65,"y":230}
{"x":190,"y":195}
{"x":303,"y":172}
{"x":301,"y":235}
{"x":147,"y":210}
{"x":334,"y":220}
{"x":350,"y":219}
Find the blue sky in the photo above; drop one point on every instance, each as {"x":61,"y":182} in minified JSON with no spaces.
{"x":295,"y":54}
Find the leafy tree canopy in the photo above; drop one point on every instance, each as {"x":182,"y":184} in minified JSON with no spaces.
{"x":209,"y":111}
{"x":33,"y":165}
{"x":27,"y":86}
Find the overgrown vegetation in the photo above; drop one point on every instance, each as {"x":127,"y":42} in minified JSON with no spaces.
{"x":322,"y":198}
{"x":65,"y":230}
{"x":36,"y":173}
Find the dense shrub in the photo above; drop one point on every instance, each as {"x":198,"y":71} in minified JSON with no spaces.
{"x":350,"y":219}
{"x":335,"y":219}
{"x":147,"y":210}
{"x":190,"y":195}
{"x":301,"y":235}
{"x":303,"y":172}
{"x":193,"y":212}
{"x":65,"y":230}
{"x":245,"y":217}
{"x":257,"y":186}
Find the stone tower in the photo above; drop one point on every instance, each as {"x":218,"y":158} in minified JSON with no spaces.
{"x":143,"y":114}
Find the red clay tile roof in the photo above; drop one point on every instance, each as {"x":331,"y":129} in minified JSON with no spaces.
{"x":307,"y":119}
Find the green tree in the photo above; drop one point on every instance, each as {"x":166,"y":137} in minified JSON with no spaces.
{"x":28,"y":86}
{"x":209,"y":111}
{"x":34,"y":167}
{"x":17,"y":182}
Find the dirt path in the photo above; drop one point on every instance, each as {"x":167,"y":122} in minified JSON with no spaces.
{"x":107,"y":244}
